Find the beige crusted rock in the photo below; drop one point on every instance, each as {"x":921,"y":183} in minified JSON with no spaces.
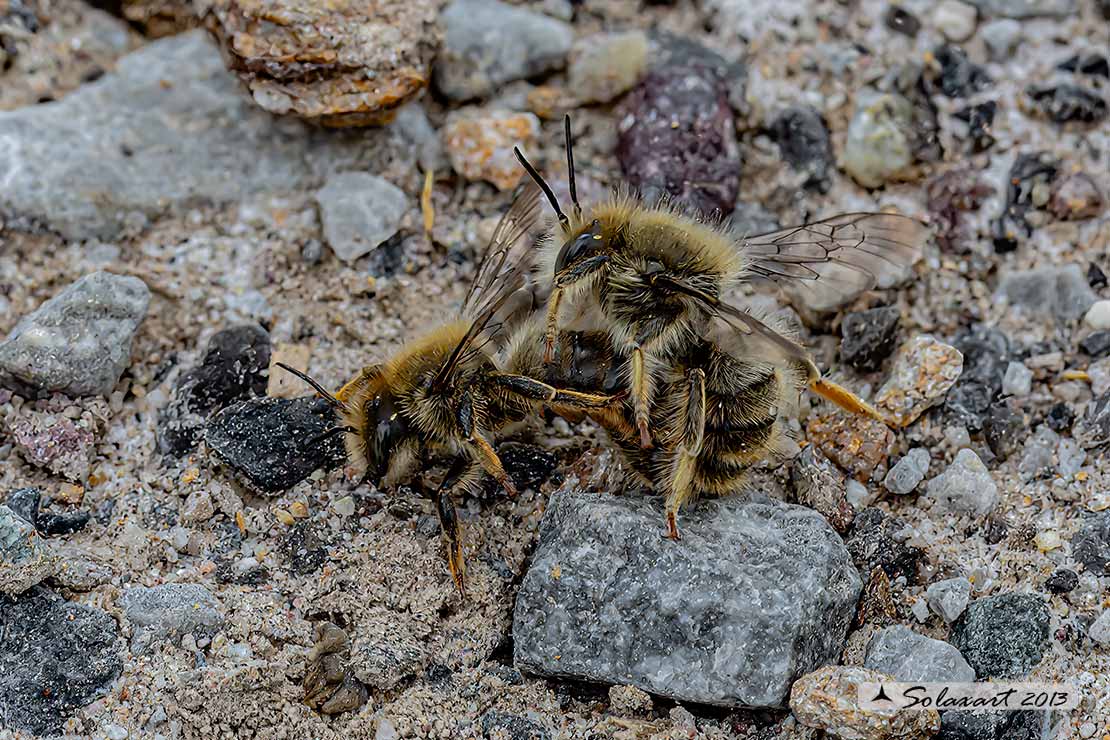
{"x":923,"y":371}
{"x":857,"y":444}
{"x":480,"y":144}
{"x":340,"y":63}
{"x":827,"y":699}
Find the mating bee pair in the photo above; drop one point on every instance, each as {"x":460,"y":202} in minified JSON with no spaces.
{"x":691,"y":389}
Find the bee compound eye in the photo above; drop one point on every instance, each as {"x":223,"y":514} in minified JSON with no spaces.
{"x":578,"y":247}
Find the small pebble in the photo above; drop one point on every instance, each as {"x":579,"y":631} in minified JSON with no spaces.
{"x":868,"y":337}
{"x":906,"y":655}
{"x":1062,"y":581}
{"x":828,"y":699}
{"x":1093,"y":427}
{"x":857,"y":494}
{"x":803,"y":140}
{"x":878,"y":147}
{"x":901,"y":20}
{"x":359,"y":211}
{"x":1100,"y":629}
{"x":905,"y":474}
{"x":1001,"y":36}
{"x":920,"y":609}
{"x":954,"y":19}
{"x":1017,"y":381}
{"x":1062,"y":292}
{"x":607,"y":65}
{"x":948,"y":599}
{"x":344,"y":506}
{"x":1048,"y":540}
{"x":922,"y":372}
{"x":1087,"y":730}
{"x":1096,"y":345}
{"x":966,"y":486}
{"x":1077,"y":198}
{"x":1098,"y":316}
{"x":480,"y":144}
{"x":629,"y":701}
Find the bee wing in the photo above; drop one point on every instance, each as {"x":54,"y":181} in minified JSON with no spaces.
{"x":743,"y":322}
{"x":840,"y":256}
{"x":499,"y":276}
{"x":504,"y":261}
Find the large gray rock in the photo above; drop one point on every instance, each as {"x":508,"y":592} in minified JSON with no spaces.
{"x":908,"y":656}
{"x":487,"y":43}
{"x":55,"y":656}
{"x":25,"y":560}
{"x":168,"y":128}
{"x":169,"y":612}
{"x":79,"y":341}
{"x":751,"y":598}
{"x":359,"y":211}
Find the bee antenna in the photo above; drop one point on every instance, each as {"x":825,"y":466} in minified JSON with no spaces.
{"x":315,"y":385}
{"x":570,"y":166}
{"x":543,"y":186}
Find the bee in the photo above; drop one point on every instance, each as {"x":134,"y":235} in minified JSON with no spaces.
{"x":444,"y":392}
{"x":658,"y":276}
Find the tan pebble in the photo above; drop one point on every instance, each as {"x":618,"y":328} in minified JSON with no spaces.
{"x":284,"y":517}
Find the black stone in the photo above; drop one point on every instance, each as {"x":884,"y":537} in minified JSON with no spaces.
{"x":304,"y":548}
{"x":958,"y":76}
{"x":901,"y":21}
{"x":967,"y":404}
{"x":1028,"y":171}
{"x":1059,"y":417}
{"x":1096,"y":278}
{"x":677,"y":136}
{"x":1003,"y":636}
{"x":1062,"y":581}
{"x":1004,"y":429}
{"x":1096,"y":345}
{"x":1088,"y":64}
{"x":26,"y":502}
{"x":1091,"y":544}
{"x":868,"y":337}
{"x":55,"y":657}
{"x":803,"y":139}
{"x":511,"y":726}
{"x":872,"y":543}
{"x":233,"y":369}
{"x":979,"y":119}
{"x":963,"y":725}
{"x":528,"y":465}
{"x":275,"y":443}
{"x":986,"y":354}
{"x":1065,"y":103}
{"x":994,"y":529}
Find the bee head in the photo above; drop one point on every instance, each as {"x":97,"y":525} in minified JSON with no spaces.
{"x":385,"y":428}
{"x":586,"y":244}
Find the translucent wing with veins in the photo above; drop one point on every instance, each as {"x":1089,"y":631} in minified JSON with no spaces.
{"x":838,"y":257}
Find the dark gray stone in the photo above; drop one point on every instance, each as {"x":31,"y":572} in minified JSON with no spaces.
{"x":1096,"y":345}
{"x":1063,"y":103}
{"x":992,"y":726}
{"x":1062,"y":581}
{"x":906,"y":655}
{"x":868,"y":337}
{"x":958,"y":77}
{"x":25,"y":560}
{"x":1003,"y":636}
{"x":169,"y":612}
{"x":487,"y":43}
{"x":275,"y":443}
{"x":78,"y":342}
{"x":511,"y":726}
{"x":97,"y":161}
{"x":1004,"y":429}
{"x":26,"y":502}
{"x":1026,"y":8}
{"x":803,"y":140}
{"x":55,"y":656}
{"x":1029,"y":173}
{"x":233,"y":368}
{"x":753,"y":596}
{"x":1091,"y":544}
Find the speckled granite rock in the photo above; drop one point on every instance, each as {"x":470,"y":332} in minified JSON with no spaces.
{"x":922,"y":372}
{"x":95,"y":163}
{"x":79,"y":341}
{"x":906,"y":655}
{"x":828,"y":699}
{"x":480,"y":144}
{"x":1003,"y":636}
{"x":340,"y":63}
{"x":753,"y":596}
{"x":56,"y":656}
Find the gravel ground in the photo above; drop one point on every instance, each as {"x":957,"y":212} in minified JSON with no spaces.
{"x":160,"y":167}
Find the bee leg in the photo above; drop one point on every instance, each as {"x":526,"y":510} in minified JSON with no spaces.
{"x":640,"y":399}
{"x":487,"y":456}
{"x":536,"y":390}
{"x":449,"y":522}
{"x":552,"y":328}
{"x":844,"y":398}
{"x":692,"y":435}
